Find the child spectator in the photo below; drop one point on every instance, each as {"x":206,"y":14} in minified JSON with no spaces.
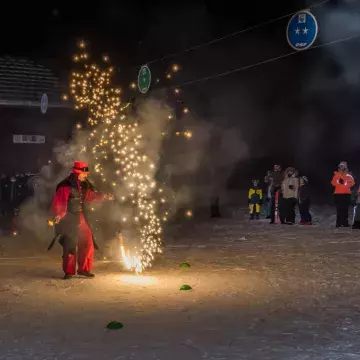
{"x":255,"y":200}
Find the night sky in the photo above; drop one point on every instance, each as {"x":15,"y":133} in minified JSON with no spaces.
{"x":301,"y":111}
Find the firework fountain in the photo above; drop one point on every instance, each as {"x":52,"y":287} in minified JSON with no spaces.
{"x":114,"y":143}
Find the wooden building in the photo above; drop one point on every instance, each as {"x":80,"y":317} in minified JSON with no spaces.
{"x":33,"y":115}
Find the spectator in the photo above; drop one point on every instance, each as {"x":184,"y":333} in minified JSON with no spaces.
{"x":276,"y":179}
{"x":268,"y":183}
{"x":290,"y":189}
{"x":304,"y":202}
{"x":342,"y":181}
{"x":255,"y":200}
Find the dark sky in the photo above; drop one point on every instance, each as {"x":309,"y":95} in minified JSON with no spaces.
{"x":48,"y":29}
{"x":302,"y":110}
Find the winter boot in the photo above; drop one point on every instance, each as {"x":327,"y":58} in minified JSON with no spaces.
{"x":252,"y":217}
{"x":257,"y":216}
{"x":67,"y":277}
{"x":86,"y":274}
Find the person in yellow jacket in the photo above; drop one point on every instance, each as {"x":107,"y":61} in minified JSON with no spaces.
{"x":255,"y":198}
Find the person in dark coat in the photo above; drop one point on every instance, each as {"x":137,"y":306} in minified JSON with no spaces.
{"x":71,"y":223}
{"x":304,"y":202}
{"x":275,"y":178}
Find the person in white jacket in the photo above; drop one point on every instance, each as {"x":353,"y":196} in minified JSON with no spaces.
{"x":290,"y":190}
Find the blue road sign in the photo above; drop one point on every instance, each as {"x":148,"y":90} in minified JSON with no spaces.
{"x":302,"y":30}
{"x":44,"y":103}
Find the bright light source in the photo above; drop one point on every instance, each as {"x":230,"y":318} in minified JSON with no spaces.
{"x":139,"y":280}
{"x":188,"y":134}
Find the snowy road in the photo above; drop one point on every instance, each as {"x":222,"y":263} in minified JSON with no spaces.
{"x":259,"y":292}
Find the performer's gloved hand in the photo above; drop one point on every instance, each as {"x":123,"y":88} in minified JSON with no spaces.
{"x":57,"y":219}
{"x":341,"y":181}
{"x":109,"y":197}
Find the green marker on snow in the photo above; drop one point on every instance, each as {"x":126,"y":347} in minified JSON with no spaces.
{"x":185,"y":287}
{"x":185,"y":265}
{"x":114,"y":325}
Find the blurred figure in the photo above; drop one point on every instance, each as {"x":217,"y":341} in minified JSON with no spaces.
{"x":304,"y":202}
{"x":255,"y":200}
{"x":289,"y":189}
{"x":356,"y":219}
{"x":268,"y":183}
{"x":275,"y":190}
{"x":342,"y":181}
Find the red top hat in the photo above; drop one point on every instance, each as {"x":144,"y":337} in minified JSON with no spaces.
{"x":81,"y":167}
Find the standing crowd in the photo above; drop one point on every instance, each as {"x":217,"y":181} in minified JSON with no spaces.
{"x":285,"y":190}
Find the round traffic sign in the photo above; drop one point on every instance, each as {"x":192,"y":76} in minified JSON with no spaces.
{"x":302,"y":30}
{"x":44,"y":103}
{"x":144,"y":79}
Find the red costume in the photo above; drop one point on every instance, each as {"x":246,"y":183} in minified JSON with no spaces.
{"x":68,"y":205}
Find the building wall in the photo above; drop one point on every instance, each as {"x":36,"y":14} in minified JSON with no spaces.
{"x":56,"y":124}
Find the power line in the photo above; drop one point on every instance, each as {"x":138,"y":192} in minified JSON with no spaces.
{"x":233,"y":34}
{"x":246,"y":67}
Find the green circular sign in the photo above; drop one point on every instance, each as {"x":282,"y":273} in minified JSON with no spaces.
{"x":144,"y":79}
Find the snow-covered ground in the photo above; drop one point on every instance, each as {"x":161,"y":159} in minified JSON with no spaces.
{"x":259,"y":292}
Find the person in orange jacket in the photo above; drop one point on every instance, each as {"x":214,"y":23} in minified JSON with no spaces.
{"x":342,"y":181}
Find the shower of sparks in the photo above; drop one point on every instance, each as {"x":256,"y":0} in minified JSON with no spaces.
{"x":115,"y":140}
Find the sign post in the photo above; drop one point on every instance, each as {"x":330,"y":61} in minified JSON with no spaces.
{"x":144,"y":79}
{"x":302,"y":30}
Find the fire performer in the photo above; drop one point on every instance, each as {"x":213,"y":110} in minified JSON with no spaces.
{"x":71,"y":223}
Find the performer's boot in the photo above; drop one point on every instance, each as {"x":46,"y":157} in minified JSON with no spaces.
{"x":86,"y":274}
{"x":67,"y":277}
